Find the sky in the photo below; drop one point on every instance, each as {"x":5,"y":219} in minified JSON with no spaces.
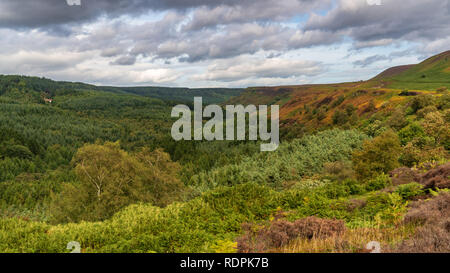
{"x":218,"y":43}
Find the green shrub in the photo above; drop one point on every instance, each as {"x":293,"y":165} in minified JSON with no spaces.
{"x":421,"y":101}
{"x":413,"y":130}
{"x":407,"y":191}
{"x":378,"y":183}
{"x":18,"y":151}
{"x":379,"y":155}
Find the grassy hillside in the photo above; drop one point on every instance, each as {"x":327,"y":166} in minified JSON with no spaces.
{"x":430,"y":74}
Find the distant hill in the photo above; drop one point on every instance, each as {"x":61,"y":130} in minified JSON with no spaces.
{"x":432,"y":73}
{"x":31,"y":89}
{"x":180,"y":94}
{"x":393,"y":71}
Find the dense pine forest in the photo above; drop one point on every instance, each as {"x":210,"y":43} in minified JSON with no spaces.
{"x":358,"y":162}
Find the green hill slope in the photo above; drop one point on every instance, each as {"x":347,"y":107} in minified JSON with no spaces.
{"x":432,"y":73}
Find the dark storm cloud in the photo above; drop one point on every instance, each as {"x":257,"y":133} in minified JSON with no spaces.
{"x":44,"y":13}
{"x":407,"y":19}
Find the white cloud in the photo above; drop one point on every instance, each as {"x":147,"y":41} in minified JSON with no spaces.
{"x":248,"y":68}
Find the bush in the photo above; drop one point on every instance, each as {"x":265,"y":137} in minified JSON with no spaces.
{"x":340,"y":117}
{"x":378,"y":183}
{"x":375,"y":128}
{"x":339,"y":170}
{"x":441,"y":89}
{"x":398,"y":119}
{"x":436,"y":126}
{"x":338,"y":101}
{"x":379,"y":155}
{"x":408,"y":191}
{"x":280,"y":233}
{"x":18,"y":151}
{"x":423,"y":112}
{"x":413,"y":130}
{"x":422,"y":101}
{"x":433,"y":236}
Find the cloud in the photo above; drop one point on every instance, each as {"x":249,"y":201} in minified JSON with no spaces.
{"x":45,"y":13}
{"x":125,"y":60}
{"x":164,"y":40}
{"x":245,"y":68}
{"x":374,"y":25}
{"x":34,"y":62}
{"x":374,"y":43}
{"x":261,"y":10}
{"x":370,"y":60}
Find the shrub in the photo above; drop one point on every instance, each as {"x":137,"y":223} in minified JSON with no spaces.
{"x":413,"y":130}
{"x":340,"y":117}
{"x":18,"y":151}
{"x":339,"y":170}
{"x":370,"y":107}
{"x":433,"y":236}
{"x":437,"y":178}
{"x":338,"y":101}
{"x":423,"y":112}
{"x":435,"y":126}
{"x":441,"y":89}
{"x":421,"y":101}
{"x":421,"y":150}
{"x":443,"y":102}
{"x":375,"y":128}
{"x":397,"y":120}
{"x":378,"y":183}
{"x":282,"y":232}
{"x":408,"y":191}
{"x":377,"y":156}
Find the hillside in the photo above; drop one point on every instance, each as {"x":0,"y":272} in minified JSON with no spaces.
{"x":33,"y":88}
{"x":320,"y":106}
{"x":431,"y":74}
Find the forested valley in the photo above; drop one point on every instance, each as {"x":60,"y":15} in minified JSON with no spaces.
{"x":358,"y":162}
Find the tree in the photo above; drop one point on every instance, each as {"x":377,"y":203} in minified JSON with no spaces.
{"x":410,"y":132}
{"x":18,"y":151}
{"x":421,"y":101}
{"x":379,"y":155}
{"x":436,"y":126}
{"x":397,"y":120}
{"x":340,"y":117}
{"x":110,"y":179}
